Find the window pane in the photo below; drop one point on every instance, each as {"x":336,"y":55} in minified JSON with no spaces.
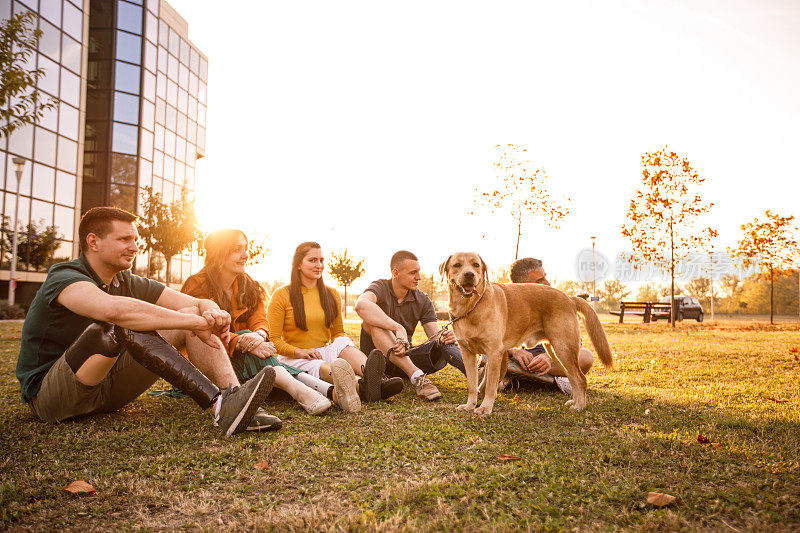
{"x":45,"y":144}
{"x":158,"y":163}
{"x":191,"y":131}
{"x":180,"y":151}
{"x":70,"y":87}
{"x":123,"y":196}
{"x":161,"y":111}
{"x":125,"y":139}
{"x":163,"y":33}
{"x":97,"y":103}
{"x":161,"y":85}
{"x":174,"y":43}
{"x":194,"y":61}
{"x":169,"y":143}
{"x":183,"y":101}
{"x":181,"y":129}
{"x":152,"y":5}
{"x":68,"y":121}
{"x":150,"y":57}
{"x":169,"y":168}
{"x":151,"y":27}
{"x":21,"y":141}
{"x":65,"y":222}
{"x":100,"y":44}
{"x":184,"y":52}
{"x":149,"y":86}
{"x":70,"y":53}
{"x":94,"y":195}
{"x":95,"y":166}
{"x":126,"y":108}
{"x":148,"y":115}
{"x":203,"y":69}
{"x":172,"y":118}
{"x":129,"y":47}
{"x":158,"y":138}
{"x":192,"y":111}
{"x":51,"y":10}
{"x":41,"y":213}
{"x":101,"y":14}
{"x":50,"y":41}
{"x":126,"y":77}
{"x":48,"y":82}
{"x":145,"y":173}
{"x":183,"y":76}
{"x":49,"y":119}
{"x":73,"y":21}
{"x":44,"y":182}
{"x":201,"y":115}
{"x":65,"y":190}
{"x":129,"y":17}
{"x":147,"y":144}
{"x":172,"y":93}
{"x":172,"y":70}
{"x":67,"y":155}
{"x":201,"y":93}
{"x":123,"y":169}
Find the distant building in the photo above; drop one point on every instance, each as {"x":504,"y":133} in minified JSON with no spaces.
{"x":132,"y":115}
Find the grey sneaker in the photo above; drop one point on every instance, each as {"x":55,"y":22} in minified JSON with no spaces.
{"x":426,"y":390}
{"x":563,"y":384}
{"x":344,"y":385}
{"x":262,"y":421}
{"x":240,"y":403}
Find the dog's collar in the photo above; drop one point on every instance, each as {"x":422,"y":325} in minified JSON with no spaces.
{"x":480,"y":297}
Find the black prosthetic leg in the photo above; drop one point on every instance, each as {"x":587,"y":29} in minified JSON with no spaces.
{"x":98,"y":338}
{"x":150,"y":350}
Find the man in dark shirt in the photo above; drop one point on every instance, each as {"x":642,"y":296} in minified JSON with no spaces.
{"x":531,"y":365}
{"x":390,"y":310}
{"x":89,"y":343}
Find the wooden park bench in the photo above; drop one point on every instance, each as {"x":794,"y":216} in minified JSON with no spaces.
{"x":647,"y":310}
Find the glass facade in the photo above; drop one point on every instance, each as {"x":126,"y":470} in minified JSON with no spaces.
{"x":141,"y":122}
{"x":47,"y":190}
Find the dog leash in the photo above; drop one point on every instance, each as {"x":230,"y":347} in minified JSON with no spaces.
{"x":435,"y":337}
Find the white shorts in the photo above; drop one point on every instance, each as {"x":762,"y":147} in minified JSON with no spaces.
{"x":330,"y":352}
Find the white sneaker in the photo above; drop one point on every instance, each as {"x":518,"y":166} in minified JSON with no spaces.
{"x":564,"y":385}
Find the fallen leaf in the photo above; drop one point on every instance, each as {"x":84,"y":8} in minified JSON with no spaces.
{"x":659,"y":499}
{"x":79,"y":487}
{"x":794,"y":350}
{"x":262,"y":465}
{"x":702,"y":439}
{"x":716,"y":445}
{"x":775,"y":399}
{"x":505,"y":457}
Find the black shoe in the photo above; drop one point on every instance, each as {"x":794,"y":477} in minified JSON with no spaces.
{"x":239,"y":404}
{"x":263,"y":421}
{"x":390,"y":387}
{"x":370,"y":385}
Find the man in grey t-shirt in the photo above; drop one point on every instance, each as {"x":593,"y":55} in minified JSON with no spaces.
{"x":390,"y":310}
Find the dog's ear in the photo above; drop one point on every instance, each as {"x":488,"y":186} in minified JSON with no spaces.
{"x":444,"y":266}
{"x":483,"y":266}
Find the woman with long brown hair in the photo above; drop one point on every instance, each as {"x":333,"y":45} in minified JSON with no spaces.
{"x":308,"y":331}
{"x":223,"y":279}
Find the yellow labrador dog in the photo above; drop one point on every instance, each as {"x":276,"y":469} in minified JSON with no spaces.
{"x":499,"y":316}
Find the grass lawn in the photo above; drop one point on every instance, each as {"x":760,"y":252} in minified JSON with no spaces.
{"x":411,"y":465}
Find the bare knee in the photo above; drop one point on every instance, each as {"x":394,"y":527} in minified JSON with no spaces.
{"x":585,"y":359}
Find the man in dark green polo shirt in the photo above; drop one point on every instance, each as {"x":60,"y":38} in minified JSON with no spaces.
{"x":89,"y":343}
{"x":390,"y":310}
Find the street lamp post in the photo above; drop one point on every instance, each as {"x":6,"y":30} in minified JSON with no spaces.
{"x":12,"y":279}
{"x":594,"y":276}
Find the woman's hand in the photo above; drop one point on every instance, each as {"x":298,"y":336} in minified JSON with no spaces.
{"x":307,"y":353}
{"x":264,"y":349}
{"x":247,"y":342}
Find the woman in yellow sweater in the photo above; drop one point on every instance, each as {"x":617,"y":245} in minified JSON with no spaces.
{"x":223,"y":280}
{"x":306,"y":326}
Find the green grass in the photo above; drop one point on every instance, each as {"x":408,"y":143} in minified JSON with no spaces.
{"x":411,"y":465}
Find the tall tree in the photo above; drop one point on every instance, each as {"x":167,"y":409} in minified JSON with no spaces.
{"x":430,"y":286}
{"x":612,"y":293}
{"x":772,"y":245}
{"x":649,"y":292}
{"x":168,"y":229}
{"x":522,"y":191}
{"x":665,"y":214}
{"x":345,"y":271}
{"x":20,"y":101}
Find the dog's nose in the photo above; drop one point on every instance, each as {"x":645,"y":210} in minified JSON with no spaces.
{"x":469,"y":276}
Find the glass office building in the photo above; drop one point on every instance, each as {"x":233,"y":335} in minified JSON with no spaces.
{"x":132,"y":91}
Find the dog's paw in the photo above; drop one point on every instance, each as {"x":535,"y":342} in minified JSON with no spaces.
{"x":483,"y":411}
{"x":465,"y":407}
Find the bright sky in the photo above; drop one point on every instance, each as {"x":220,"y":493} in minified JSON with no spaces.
{"x":367,"y":125}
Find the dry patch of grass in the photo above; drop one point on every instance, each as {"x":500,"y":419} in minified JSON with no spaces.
{"x":409,"y":465}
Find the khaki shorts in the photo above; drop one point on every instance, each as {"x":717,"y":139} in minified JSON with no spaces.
{"x":62,"y":396}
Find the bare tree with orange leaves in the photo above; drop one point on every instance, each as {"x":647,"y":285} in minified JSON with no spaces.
{"x":665,"y":214}
{"x":771,"y":245}
{"x":522,"y":191}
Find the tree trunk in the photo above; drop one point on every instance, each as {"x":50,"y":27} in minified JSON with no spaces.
{"x":519,"y":233}
{"x":345,"y":301}
{"x":771,"y":293}
{"x":671,"y":274}
{"x":169,"y":269}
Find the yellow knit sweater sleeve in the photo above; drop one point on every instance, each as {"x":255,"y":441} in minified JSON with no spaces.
{"x":337,"y":328}
{"x":277,"y":312}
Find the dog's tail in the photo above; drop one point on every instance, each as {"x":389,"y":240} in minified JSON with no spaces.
{"x":596,"y":332}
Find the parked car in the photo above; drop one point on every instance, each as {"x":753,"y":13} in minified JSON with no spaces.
{"x":686,"y":307}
